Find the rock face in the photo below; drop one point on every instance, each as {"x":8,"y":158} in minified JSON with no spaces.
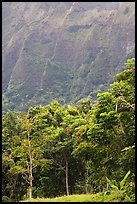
{"x":64,"y":50}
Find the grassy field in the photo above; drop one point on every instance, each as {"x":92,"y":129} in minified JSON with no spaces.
{"x":99,"y":197}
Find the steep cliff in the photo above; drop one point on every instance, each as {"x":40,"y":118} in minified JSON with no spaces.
{"x":64,"y":50}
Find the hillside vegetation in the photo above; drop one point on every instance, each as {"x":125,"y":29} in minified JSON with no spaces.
{"x":62,"y":50}
{"x":84,"y":148}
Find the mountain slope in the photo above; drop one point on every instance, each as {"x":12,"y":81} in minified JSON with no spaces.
{"x":65,"y":50}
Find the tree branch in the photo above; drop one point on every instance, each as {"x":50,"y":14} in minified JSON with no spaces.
{"x":131,"y":106}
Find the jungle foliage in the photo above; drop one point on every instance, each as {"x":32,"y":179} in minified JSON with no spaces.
{"x":83,"y":148}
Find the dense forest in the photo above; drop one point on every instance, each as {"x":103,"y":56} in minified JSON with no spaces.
{"x":87,"y":147}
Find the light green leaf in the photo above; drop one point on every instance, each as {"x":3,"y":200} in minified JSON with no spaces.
{"x":124,"y":180}
{"x":111,"y":184}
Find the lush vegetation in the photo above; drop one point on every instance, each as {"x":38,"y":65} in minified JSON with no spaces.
{"x":87,"y":148}
{"x":113,"y":196}
{"x":67,"y":57}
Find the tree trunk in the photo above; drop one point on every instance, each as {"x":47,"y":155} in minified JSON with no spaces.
{"x":30,"y":178}
{"x":30,"y":170}
{"x":86,"y":177}
{"x":67,"y":188}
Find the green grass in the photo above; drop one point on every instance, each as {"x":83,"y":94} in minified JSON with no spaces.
{"x":114,"y":196}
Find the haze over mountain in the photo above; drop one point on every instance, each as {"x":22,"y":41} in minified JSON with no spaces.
{"x":63,"y":50}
